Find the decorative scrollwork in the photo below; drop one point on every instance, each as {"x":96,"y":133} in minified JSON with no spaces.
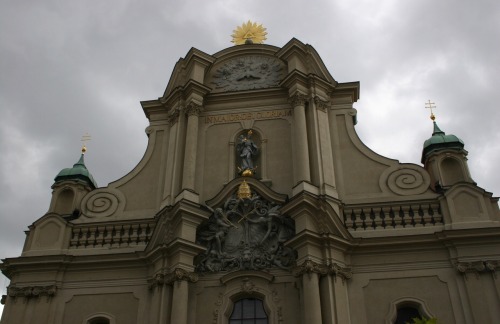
{"x":405,"y":179}
{"x":101,"y":203}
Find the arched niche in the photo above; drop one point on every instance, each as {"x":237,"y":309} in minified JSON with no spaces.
{"x":451,"y":171}
{"x":65,"y":201}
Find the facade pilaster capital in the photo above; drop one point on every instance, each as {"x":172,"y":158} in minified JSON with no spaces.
{"x":168,"y":278}
{"x":193,"y":109}
{"x":31,"y":291}
{"x":308,"y":267}
{"x":321,"y":104}
{"x":179,"y":274}
{"x":297,"y":99}
{"x":173,"y":116}
{"x":474,"y":267}
{"x":492,"y":266}
{"x":337,"y":271}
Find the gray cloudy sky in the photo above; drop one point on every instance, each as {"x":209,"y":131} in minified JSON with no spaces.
{"x":71,"y":67}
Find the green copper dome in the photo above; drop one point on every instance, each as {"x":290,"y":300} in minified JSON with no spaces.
{"x":77,"y":172}
{"x":439,"y":141}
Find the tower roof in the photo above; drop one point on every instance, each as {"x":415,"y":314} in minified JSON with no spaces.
{"x":440,"y":141}
{"x":78,"y":172}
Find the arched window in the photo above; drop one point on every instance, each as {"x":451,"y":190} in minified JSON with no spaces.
{"x":405,"y":314}
{"x":403,"y":310}
{"x":248,"y":311}
{"x":98,"y":320}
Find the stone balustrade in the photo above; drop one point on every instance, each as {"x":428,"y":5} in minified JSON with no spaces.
{"x":111,"y":234}
{"x":362,"y":218}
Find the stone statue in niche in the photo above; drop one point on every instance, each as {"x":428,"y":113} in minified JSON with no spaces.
{"x":245,"y":234}
{"x":247,"y":151}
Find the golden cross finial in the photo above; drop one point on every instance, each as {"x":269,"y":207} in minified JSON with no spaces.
{"x":431,"y":105}
{"x":85,"y":138}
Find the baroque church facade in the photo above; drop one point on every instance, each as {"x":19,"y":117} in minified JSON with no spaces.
{"x":256,"y":202}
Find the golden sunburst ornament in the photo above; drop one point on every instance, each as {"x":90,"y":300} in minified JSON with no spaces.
{"x":249,"y":33}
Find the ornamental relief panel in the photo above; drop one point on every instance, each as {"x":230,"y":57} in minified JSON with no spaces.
{"x":246,"y":233}
{"x":247,"y":73}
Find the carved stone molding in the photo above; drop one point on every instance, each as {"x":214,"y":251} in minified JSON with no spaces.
{"x":193,"y":109}
{"x":32,"y":291}
{"x":298,"y":99}
{"x":218,"y":304}
{"x":310,"y":267}
{"x":321,"y":104}
{"x":178,"y":274}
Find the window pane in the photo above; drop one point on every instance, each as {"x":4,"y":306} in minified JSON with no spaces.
{"x":248,"y":311}
{"x":237,"y":310}
{"x":259,"y":309}
{"x":405,"y":314}
{"x":248,"y":308}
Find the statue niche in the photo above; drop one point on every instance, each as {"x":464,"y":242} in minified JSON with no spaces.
{"x":247,"y":233}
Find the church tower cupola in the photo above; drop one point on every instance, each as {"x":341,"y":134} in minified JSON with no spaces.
{"x":445,"y":158}
{"x":69,"y":188}
{"x":78,"y":172}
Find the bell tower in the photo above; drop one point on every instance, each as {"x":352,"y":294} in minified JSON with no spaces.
{"x":445,"y":158}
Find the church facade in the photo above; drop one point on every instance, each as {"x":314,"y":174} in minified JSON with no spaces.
{"x":256,"y":202}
